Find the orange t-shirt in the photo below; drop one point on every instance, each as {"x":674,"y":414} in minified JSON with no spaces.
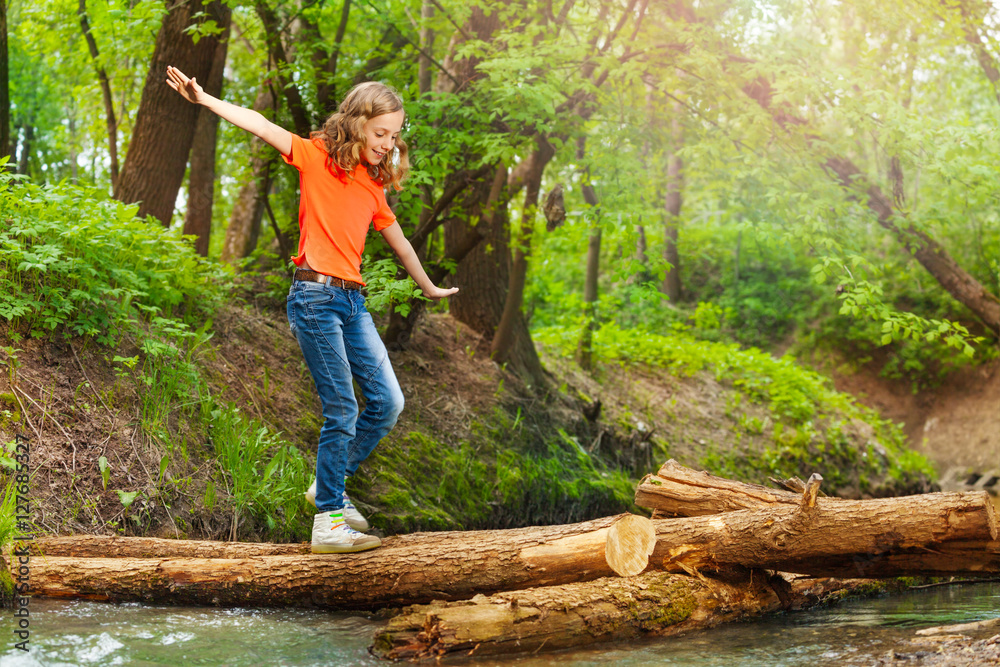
{"x":334,"y":211}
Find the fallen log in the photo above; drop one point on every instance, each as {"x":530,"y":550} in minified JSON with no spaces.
{"x":676,"y":490}
{"x":798,"y":538}
{"x":117,"y":546}
{"x":959,"y":557}
{"x":407,"y":569}
{"x":655,"y":603}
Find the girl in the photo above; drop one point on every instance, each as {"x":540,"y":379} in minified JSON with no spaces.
{"x":343,"y":169}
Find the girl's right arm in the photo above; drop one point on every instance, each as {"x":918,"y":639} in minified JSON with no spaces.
{"x":246,"y":119}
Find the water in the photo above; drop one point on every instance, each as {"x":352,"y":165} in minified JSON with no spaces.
{"x":852,"y":633}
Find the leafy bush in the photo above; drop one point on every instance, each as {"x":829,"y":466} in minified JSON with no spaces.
{"x":71,"y":262}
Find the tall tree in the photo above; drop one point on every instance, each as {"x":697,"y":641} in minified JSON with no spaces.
{"x":503,"y":346}
{"x":5,"y":147}
{"x":165,"y":123}
{"x":109,"y":104}
{"x":245,"y":220}
{"x":672,"y":207}
{"x":584,"y":351}
{"x":201,"y":176}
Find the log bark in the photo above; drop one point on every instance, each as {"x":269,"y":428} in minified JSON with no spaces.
{"x":653,"y":604}
{"x":407,"y":569}
{"x":116,"y":546}
{"x":798,"y":538}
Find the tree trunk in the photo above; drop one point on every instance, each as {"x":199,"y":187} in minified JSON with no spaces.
{"x":550,"y":618}
{"x":407,"y":569}
{"x":961,"y":285}
{"x":5,"y":147}
{"x":279,"y":59}
{"x":584,"y":349}
{"x":485,"y":273}
{"x":464,"y":240}
{"x":425,"y":72}
{"x":504,"y":339}
{"x":244,"y":222}
{"x":325,"y":91}
{"x":25,"y":152}
{"x":201,"y":177}
{"x":400,"y":329}
{"x":109,"y":105}
{"x":641,"y":256}
{"x":983,"y":55}
{"x":672,"y":205}
{"x":165,"y":123}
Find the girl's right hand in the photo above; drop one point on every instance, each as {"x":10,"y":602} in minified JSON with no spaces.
{"x":188,"y":88}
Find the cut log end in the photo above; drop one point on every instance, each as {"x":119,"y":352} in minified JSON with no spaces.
{"x":629,"y":545}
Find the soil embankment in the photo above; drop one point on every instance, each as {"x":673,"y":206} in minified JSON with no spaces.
{"x":955,"y":424}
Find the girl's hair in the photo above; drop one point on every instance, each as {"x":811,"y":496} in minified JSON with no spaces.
{"x":344,"y":138}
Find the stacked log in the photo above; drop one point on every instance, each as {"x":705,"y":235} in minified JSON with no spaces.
{"x":937,"y":534}
{"x":407,"y":569}
{"x":555,"y":586}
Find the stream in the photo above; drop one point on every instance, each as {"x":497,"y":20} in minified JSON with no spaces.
{"x":854,"y":632}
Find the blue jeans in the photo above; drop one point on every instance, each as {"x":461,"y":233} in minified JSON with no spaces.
{"x":339,"y":341}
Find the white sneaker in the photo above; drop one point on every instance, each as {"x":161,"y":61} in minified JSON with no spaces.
{"x":332,"y":535}
{"x":354,"y":518}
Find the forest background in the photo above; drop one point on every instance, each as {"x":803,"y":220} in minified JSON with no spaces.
{"x":627,"y":192}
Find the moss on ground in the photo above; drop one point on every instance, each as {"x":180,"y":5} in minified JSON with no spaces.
{"x":497,"y":479}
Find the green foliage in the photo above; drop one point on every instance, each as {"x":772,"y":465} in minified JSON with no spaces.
{"x":808,"y":419}
{"x":385,"y":290}
{"x":70,"y":262}
{"x":105,"y":468}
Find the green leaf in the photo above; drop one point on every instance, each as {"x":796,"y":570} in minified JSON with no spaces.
{"x":127,"y":497}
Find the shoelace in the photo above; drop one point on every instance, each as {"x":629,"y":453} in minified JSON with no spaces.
{"x":342,"y":523}
{"x":348,"y":505}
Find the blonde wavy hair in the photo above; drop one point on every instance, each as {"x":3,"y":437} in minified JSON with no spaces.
{"x":344,"y":137}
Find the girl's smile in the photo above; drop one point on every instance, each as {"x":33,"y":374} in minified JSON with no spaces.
{"x":380,"y":135}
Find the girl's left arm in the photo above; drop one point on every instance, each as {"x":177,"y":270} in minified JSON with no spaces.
{"x":394,"y":236}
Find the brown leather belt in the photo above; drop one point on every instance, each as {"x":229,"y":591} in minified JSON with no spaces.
{"x":313,"y":276}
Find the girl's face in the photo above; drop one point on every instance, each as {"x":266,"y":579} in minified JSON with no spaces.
{"x":380,"y":135}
